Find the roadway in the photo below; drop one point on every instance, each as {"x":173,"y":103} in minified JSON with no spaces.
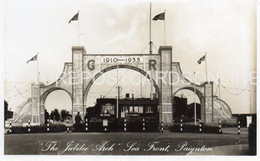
{"x":136,"y":143}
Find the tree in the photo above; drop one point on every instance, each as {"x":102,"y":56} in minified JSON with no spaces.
{"x":64,"y":114}
{"x":7,"y":113}
{"x":6,"y":108}
{"x":56,"y":114}
{"x":52,"y":115}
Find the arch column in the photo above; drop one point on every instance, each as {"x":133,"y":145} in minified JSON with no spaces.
{"x":42,"y":107}
{"x":35,"y":112}
{"x":208,"y":101}
{"x":78,"y":81}
{"x":165,"y":83}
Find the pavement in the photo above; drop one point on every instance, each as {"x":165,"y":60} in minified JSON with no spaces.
{"x":129,"y":143}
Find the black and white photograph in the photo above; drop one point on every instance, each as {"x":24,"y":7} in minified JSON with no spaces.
{"x":129,"y":78}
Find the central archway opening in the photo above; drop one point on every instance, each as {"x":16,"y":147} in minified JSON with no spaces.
{"x":130,"y":83}
{"x":123,"y":95}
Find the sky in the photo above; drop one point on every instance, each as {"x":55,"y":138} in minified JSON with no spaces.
{"x":226,"y":30}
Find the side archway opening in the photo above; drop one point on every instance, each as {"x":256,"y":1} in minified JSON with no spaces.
{"x":56,"y":105}
{"x":188,"y":104}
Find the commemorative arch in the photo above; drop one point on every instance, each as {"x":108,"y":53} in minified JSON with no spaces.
{"x":164,"y":74}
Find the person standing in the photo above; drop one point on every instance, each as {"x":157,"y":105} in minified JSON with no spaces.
{"x":78,"y":119}
{"x":46,"y":116}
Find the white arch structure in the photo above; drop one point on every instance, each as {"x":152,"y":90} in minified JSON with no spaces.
{"x":166,"y":76}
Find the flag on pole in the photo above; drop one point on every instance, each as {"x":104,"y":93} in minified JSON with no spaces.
{"x":75,"y":17}
{"x":201,"y":59}
{"x":160,"y":16}
{"x":34,"y":58}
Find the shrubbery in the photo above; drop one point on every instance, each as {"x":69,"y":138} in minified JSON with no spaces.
{"x":114,"y":125}
{"x":195,"y":129}
{"x":38,"y":129}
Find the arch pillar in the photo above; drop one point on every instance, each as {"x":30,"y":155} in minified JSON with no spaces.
{"x":42,"y":107}
{"x":78,"y":81}
{"x":208,"y":101}
{"x":35,"y":105}
{"x":165,"y":83}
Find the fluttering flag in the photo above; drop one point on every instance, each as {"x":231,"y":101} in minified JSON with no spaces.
{"x":160,"y":16}
{"x":34,"y":58}
{"x":75,"y":17}
{"x":202,"y":59}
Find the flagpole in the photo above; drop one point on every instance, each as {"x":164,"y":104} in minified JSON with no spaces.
{"x":117,"y":104}
{"x":250,"y":96}
{"x":219,"y":88}
{"x":206,"y":66}
{"x":195,"y":110}
{"x":37,"y":70}
{"x":150,"y":21}
{"x":78,"y":28}
{"x":38,"y":89}
{"x":150,"y":28}
{"x":164,"y":27}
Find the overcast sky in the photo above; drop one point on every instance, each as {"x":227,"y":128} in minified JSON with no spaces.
{"x":226,"y":30}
